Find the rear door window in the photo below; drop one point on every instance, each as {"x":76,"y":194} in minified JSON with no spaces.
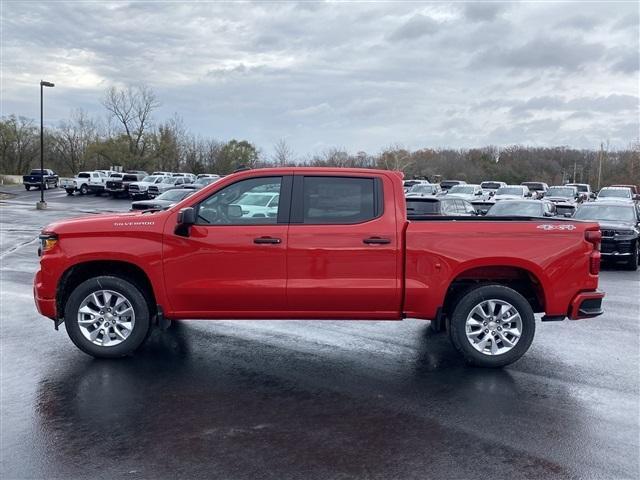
{"x":339,"y":200}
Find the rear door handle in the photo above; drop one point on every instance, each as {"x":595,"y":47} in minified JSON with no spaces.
{"x":263,"y":240}
{"x":376,"y":241}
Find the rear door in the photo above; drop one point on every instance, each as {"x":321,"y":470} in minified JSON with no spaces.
{"x":344,"y":250}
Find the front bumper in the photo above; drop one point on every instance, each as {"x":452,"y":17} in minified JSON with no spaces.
{"x":586,"y":305}
{"x":45,"y":306}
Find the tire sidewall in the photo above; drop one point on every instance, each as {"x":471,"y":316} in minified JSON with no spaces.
{"x":84,"y":190}
{"x":473,"y":298}
{"x":122,"y":286}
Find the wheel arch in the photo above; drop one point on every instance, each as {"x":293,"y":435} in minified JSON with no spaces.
{"x":78,"y":273}
{"x":519,"y":278}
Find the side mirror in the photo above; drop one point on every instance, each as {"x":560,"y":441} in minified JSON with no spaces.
{"x":234,"y":211}
{"x":186,"y":218}
{"x":529,"y":194}
{"x":478,"y":193}
{"x":636,"y":197}
{"x":592,"y":195}
{"x":548,"y":214}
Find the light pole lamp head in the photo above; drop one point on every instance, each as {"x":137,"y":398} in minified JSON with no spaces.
{"x":46,"y":84}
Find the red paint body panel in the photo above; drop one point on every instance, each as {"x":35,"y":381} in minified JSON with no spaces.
{"x":321,"y":271}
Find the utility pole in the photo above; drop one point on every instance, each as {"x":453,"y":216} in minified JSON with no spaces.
{"x":42,"y":204}
{"x":600,"y":155}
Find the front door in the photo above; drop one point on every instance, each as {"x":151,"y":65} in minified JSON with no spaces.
{"x":233,"y":263}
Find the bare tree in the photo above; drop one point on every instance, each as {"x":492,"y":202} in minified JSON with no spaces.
{"x":132,"y":107}
{"x":72,"y":139}
{"x":282,"y":154}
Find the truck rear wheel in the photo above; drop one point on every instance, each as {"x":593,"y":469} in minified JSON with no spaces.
{"x":84,"y":190}
{"x":492,"y":326}
{"x":107,"y":317}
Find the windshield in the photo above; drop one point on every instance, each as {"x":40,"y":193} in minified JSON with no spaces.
{"x":461,"y":189}
{"x":415,"y":207}
{"x":255,"y":199}
{"x":205,"y":180}
{"x":581,"y":188}
{"x":130,"y":178}
{"x":561,"y":192}
{"x":36,"y":172}
{"x":510,"y":191}
{"x":84,"y":175}
{"x":534,"y":186}
{"x":615,"y":193}
{"x":150,"y":179}
{"x":507,"y":208}
{"x":613,"y":213}
{"x":422,"y":189}
{"x":490,"y":185}
{"x":174,"y":195}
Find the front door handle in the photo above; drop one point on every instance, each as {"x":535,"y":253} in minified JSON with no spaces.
{"x":376,"y":241}
{"x":266,"y":240}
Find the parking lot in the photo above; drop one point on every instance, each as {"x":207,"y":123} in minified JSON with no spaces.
{"x":302,"y":399}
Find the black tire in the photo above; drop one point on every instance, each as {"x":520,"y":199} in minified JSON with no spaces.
{"x":141,"y":327}
{"x":457,"y":326}
{"x":84,"y":190}
{"x":632,"y":262}
{"x":70,"y":191}
{"x":55,"y":185}
{"x":27,"y":187}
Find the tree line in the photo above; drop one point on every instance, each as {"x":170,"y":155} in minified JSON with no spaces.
{"x":130,"y":137}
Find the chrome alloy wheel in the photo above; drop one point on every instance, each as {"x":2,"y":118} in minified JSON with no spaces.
{"x":493,"y":327}
{"x":106,"y":318}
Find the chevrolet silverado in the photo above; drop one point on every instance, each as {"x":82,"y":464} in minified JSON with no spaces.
{"x":340,"y":246}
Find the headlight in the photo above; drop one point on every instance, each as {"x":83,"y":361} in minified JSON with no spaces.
{"x":624,"y":232}
{"x":47,"y":242}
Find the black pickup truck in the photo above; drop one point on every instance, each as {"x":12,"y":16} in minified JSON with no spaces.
{"x":34,"y":179}
{"x":118,"y":184}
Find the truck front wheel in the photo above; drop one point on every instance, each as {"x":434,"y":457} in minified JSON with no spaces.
{"x":107,"y":317}
{"x":492,"y":326}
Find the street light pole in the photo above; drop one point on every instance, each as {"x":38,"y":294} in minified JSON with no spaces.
{"x":42,"y":204}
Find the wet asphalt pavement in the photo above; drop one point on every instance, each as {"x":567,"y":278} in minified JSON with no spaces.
{"x":308,"y":400}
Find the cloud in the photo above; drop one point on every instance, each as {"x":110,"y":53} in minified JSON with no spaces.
{"x":543,"y":52}
{"x":358,"y":75}
{"x":416,"y":27}
{"x":483,"y":11}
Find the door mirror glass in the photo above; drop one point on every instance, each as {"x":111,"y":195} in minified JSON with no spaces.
{"x":187,"y":216}
{"x":234,"y":211}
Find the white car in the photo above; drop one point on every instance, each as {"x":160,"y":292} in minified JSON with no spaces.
{"x":512,"y":192}
{"x":167,"y":183}
{"x":409,"y":184}
{"x":84,"y":183}
{"x":254,"y":204}
{"x":620,"y":194}
{"x":424,"y":190}
{"x":466,"y":192}
{"x":141,"y":189}
{"x":489,"y":187}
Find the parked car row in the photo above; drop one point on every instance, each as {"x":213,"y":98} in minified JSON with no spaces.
{"x":615,"y":208}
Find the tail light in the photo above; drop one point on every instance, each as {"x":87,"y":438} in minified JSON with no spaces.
{"x":594,"y":237}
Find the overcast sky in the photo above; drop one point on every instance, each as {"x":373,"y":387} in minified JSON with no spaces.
{"x":355,"y":75}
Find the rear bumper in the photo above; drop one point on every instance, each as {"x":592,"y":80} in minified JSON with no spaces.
{"x":586,"y":305}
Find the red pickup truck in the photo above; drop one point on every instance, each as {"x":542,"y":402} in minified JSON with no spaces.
{"x":315,"y":243}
